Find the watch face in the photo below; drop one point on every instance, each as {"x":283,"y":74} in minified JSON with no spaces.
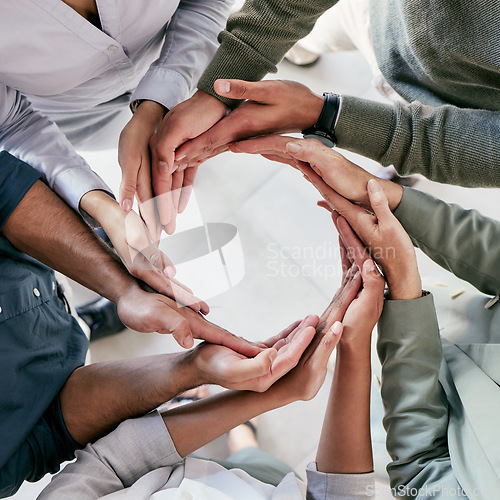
{"x":321,"y":138}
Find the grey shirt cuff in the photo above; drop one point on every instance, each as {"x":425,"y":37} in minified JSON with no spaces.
{"x":322,"y":486}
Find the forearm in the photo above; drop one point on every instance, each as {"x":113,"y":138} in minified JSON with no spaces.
{"x":416,"y":412}
{"x":44,"y":227}
{"x":216,"y":415}
{"x":445,"y":144}
{"x":31,"y":137}
{"x":345,"y":443}
{"x":99,"y":396}
{"x":257,"y":37}
{"x":461,"y":241}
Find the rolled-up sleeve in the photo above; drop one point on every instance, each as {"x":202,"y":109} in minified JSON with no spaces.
{"x":16,"y":179}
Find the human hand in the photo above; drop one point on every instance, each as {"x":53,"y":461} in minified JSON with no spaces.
{"x":222,"y":366}
{"x":382,"y":234}
{"x":135,"y":161}
{"x":271,"y":106}
{"x":132,"y":242}
{"x":342,"y":175}
{"x":173,"y":181}
{"x":365,"y":309}
{"x":151,"y":312}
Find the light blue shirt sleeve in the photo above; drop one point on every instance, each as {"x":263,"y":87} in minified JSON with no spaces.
{"x":34,"y":139}
{"x":190,"y":44}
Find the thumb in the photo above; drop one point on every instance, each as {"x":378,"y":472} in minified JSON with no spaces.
{"x":327,"y":344}
{"x":378,"y":202}
{"x":373,"y":282}
{"x":128,"y":188}
{"x":240,"y":89}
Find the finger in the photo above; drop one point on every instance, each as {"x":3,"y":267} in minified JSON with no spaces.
{"x":252,"y":368}
{"x":344,"y":259}
{"x":321,"y":354}
{"x":379,"y":203}
{"x":288,"y":358}
{"x":283,"y":340}
{"x":313,"y":152}
{"x":174,"y":324}
{"x":373,"y":281}
{"x":240,"y":89}
{"x":280,"y":159}
{"x":356,"y":250}
{"x":271,"y":143}
{"x":187,"y":188}
{"x":284,"y":333}
{"x":162,"y":183}
{"x":128,"y":186}
{"x":177,"y":183}
{"x":326,"y":206}
{"x":214,"y":334}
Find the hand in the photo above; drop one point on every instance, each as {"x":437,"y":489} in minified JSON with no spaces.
{"x":133,"y":244}
{"x":345,"y":177}
{"x":151,"y":312}
{"x":185,"y":121}
{"x":381,"y":233}
{"x":222,"y":366}
{"x":365,"y":309}
{"x":135,"y":161}
{"x":272,"y":106}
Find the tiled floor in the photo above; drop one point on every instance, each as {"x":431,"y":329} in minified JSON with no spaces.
{"x":289,"y":248}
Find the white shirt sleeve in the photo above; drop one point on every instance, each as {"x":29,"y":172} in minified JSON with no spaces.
{"x":33,"y":138}
{"x":321,"y":486}
{"x":116,"y":461}
{"x":190,"y":43}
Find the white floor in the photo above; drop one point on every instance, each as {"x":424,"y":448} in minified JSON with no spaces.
{"x":289,"y":249}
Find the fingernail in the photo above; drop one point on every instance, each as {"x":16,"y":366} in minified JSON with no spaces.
{"x":374,"y":186}
{"x":293,"y":147}
{"x":179,"y":158}
{"x":163,"y":165}
{"x":169,"y":272}
{"x":273,"y":356}
{"x":336,"y":329}
{"x":127,"y":205}
{"x":183,"y":166}
{"x":369,"y":265}
{"x":224,"y":87}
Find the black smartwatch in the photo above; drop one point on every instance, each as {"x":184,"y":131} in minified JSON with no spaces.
{"x":324,"y":128}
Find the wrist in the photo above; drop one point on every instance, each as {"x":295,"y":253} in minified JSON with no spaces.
{"x":101,"y":206}
{"x":407,"y":287}
{"x":150,"y":112}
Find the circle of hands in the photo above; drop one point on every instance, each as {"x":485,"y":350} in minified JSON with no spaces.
{"x":159,"y":159}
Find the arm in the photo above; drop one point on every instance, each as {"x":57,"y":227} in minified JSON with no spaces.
{"x":464,"y":242}
{"x":59,"y":238}
{"x":143,"y":445}
{"x":257,"y":37}
{"x":190,"y":43}
{"x":446,"y":144}
{"x":416,"y":410}
{"x":36,"y":140}
{"x":344,"y":459}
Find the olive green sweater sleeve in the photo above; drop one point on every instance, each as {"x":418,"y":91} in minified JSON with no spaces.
{"x":446,"y":144}
{"x":461,"y":241}
{"x":258,"y":36}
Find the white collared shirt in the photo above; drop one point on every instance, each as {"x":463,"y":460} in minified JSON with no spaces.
{"x":151,"y":49}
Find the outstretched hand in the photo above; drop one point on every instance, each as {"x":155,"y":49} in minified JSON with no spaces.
{"x":270,"y":106}
{"x":221,"y":365}
{"x":172,"y":180}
